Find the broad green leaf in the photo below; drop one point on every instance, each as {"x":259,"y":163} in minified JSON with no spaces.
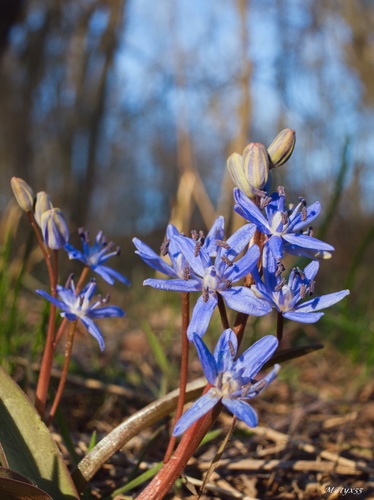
{"x":28,"y":444}
{"x":13,"y":485}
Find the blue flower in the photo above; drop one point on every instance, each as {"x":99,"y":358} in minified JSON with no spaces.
{"x":94,"y":256}
{"x":233,"y":381}
{"x":179,"y":266}
{"x":202,"y":274}
{"x":76,"y":307}
{"x":283,"y":227}
{"x":286,"y":297}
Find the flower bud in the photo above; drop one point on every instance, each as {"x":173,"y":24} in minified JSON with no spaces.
{"x":23,"y":193}
{"x":282,"y":147}
{"x":42,"y":204}
{"x":250,"y":171}
{"x":54,"y":228}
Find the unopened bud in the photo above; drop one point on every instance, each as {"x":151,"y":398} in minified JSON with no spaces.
{"x":250,"y":171}
{"x":23,"y":193}
{"x":282,"y":147}
{"x":42,"y":204}
{"x":54,"y":228}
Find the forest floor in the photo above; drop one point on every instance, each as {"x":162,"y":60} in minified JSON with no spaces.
{"x":315,"y":437}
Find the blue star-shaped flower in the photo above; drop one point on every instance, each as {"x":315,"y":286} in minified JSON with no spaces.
{"x":94,"y":256}
{"x":202,"y":274}
{"x":286,"y":297}
{"x":283,"y":227}
{"x":233,"y":381}
{"x":178,"y":266}
{"x":76,"y":307}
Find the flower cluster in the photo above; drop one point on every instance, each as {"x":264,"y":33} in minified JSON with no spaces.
{"x":74,"y":304}
{"x":215,"y":266}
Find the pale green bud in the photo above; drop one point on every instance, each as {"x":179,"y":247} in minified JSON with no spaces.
{"x":282,"y":147}
{"x":23,"y":193}
{"x":42,"y":204}
{"x":54,"y":228}
{"x":250,"y":171}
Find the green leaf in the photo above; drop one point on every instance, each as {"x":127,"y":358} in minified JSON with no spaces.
{"x":14,"y":485}
{"x":28,"y":445}
{"x":157,"y":350}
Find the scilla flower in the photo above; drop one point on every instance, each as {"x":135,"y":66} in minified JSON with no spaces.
{"x":216,"y":277}
{"x":178,"y":263}
{"x":94,"y":256}
{"x":233,"y":380}
{"x":76,"y":307}
{"x":282,"y":226}
{"x":287,"y":296}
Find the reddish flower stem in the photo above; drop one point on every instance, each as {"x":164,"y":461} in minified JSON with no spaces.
{"x":47,"y":359}
{"x":64,"y":374}
{"x":191,"y":439}
{"x":223,"y":313}
{"x":279,"y":326}
{"x":185,"y":296}
{"x":162,"y":482}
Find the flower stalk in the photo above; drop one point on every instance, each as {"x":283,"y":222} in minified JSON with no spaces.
{"x":65,"y":368}
{"x":185,"y":298}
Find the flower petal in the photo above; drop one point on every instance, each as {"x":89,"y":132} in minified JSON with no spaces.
{"x":198,"y":262}
{"x":301,"y":221}
{"x":201,"y":315}
{"x":216,"y":233}
{"x":243,"y":266}
{"x":240,"y":239}
{"x":269,"y":267}
{"x":73,"y":253}
{"x":176,"y":285}
{"x":197,"y":410}
{"x":303,"y":317}
{"x":206,"y":358}
{"x":304,"y":241}
{"x":242,"y":410}
{"x":222,"y":352}
{"x":58,"y":303}
{"x":322,"y":302}
{"x":252,"y":360}
{"x":107,"y":273}
{"x":152,"y":259}
{"x":251,"y":211}
{"x":306,"y":252}
{"x":259,"y":386}
{"x":276,"y":246}
{"x":311,"y":270}
{"x":242,"y":299}
{"x":93,"y":330}
{"x":106,"y":312}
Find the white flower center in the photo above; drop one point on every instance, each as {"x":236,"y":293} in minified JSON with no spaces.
{"x":228,"y":383}
{"x":283,"y":298}
{"x":211,"y":280}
